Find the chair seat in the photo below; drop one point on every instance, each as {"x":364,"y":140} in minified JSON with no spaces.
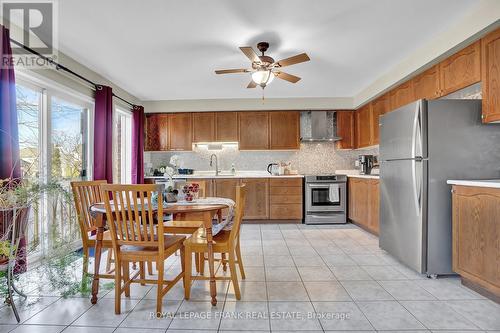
{"x":199,"y":243}
{"x":172,"y":243}
{"x":106,"y":239}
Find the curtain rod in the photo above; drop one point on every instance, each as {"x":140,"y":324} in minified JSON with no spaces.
{"x":66,"y":69}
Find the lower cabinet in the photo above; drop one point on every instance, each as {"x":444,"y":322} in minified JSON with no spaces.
{"x":476,"y":238}
{"x":257,"y":201}
{"x":363,"y":203}
{"x":286,"y":199}
{"x":266,"y":198}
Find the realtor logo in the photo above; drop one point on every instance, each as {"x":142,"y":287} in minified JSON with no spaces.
{"x":32,"y":24}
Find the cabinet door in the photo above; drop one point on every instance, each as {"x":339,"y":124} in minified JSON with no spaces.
{"x":426,"y":85}
{"x":156,"y":132}
{"x":203,"y":127}
{"x":491,"y":76}
{"x":351,"y":196}
{"x":285,"y":129}
{"x":226,"y":188}
{"x":476,"y":235}
{"x":379,"y":107}
{"x":253,"y":130}
{"x":461,"y":69}
{"x":374,"y":203}
{"x":402,"y":95}
{"x":180,"y":134}
{"x":364,"y":126}
{"x":151,"y":133}
{"x":345,"y":129}
{"x":226,"y":126}
{"x":257,"y":198}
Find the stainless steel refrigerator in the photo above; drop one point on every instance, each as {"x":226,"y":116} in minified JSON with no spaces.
{"x":422,"y":145}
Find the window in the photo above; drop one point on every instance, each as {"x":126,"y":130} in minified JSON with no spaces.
{"x":29,"y":107}
{"x":122,"y":136}
{"x":54,"y":146}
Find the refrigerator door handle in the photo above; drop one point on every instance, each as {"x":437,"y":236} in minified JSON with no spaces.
{"x":417,"y":185}
{"x":416,"y":138}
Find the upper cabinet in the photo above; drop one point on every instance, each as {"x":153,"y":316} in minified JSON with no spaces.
{"x":156,"y":132}
{"x":426,"y":85}
{"x":345,"y":129}
{"x":226,"y":126}
{"x":461,"y":69}
{"x":402,"y":95}
{"x":284,"y":130}
{"x":364,"y":126}
{"x":253,"y":130}
{"x":203,"y":127}
{"x":379,"y":106}
{"x":180,"y":131}
{"x":490,"y":64}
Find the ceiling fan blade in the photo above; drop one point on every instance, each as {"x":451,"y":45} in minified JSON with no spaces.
{"x":230,"y":71}
{"x":250,"y":53}
{"x":252,"y":84}
{"x":288,"y":77}
{"x":303,"y":57}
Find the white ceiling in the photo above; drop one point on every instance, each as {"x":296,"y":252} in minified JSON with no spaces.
{"x":168,"y":50}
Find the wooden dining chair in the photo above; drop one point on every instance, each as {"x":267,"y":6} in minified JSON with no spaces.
{"x":137,"y":237}
{"x":85,"y":194}
{"x":225,"y":242}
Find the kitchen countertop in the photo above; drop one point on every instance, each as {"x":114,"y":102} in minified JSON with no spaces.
{"x":493,"y":183}
{"x":356,"y":174}
{"x":239,"y":174}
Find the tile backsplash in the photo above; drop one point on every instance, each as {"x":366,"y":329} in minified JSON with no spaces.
{"x":312,"y":158}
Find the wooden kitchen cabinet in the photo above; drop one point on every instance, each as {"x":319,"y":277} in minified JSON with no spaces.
{"x":345,"y":130}
{"x":374,"y":205}
{"x":226,"y":126}
{"x":156,"y":132}
{"x":490,"y":76}
{"x":253,"y":130}
{"x":257,"y":198}
{"x":284,"y":130}
{"x":363,"y":199}
{"x":379,"y":106}
{"x":461,"y":69}
{"x":203,"y":127}
{"x":426,"y":85}
{"x":364,"y":126}
{"x":286,"y":199}
{"x":402,"y":95}
{"x":180,"y":131}
{"x":226,"y":188}
{"x":476,"y":238}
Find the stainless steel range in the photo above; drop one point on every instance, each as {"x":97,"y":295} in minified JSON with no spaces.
{"x":325,"y":199}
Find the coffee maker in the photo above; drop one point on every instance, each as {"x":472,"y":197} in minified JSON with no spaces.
{"x":366,"y":163}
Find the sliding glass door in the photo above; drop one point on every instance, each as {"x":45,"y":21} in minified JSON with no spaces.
{"x":54,"y":148}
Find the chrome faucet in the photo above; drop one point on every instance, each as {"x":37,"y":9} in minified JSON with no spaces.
{"x":216,"y":163}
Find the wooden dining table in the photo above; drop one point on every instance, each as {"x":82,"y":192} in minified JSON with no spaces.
{"x":208,"y":211}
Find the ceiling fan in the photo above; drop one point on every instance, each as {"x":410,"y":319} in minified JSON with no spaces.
{"x":264,"y":68}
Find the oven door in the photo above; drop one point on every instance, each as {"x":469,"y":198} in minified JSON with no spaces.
{"x":318,"y":198}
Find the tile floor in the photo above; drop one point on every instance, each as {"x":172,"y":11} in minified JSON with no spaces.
{"x":299,"y":278}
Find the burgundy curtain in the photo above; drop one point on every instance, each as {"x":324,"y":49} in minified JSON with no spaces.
{"x":10,"y":162}
{"x":138,"y":145}
{"x":10,"y":166}
{"x":103,"y":134}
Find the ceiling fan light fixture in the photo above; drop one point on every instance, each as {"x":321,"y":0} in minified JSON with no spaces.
{"x":262,"y":77}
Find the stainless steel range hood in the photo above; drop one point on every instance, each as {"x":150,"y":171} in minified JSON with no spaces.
{"x":318,"y":126}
